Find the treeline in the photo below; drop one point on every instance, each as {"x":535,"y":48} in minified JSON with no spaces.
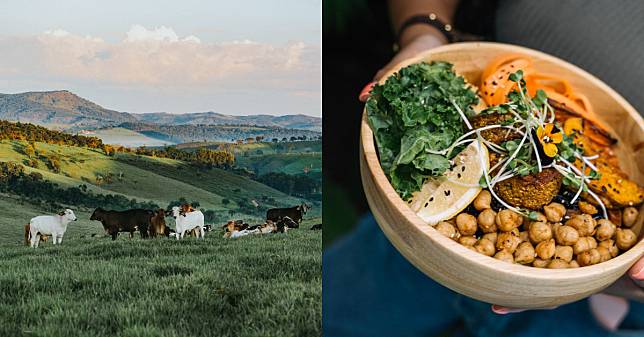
{"x":34,"y":133}
{"x":203,"y":157}
{"x":33,"y":187}
{"x":298,"y":185}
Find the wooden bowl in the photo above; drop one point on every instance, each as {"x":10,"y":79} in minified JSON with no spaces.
{"x":479,"y":276}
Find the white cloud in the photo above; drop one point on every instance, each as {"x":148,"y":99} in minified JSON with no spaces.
{"x":157,"y":58}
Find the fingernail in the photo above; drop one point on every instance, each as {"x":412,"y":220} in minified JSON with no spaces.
{"x":366,"y":91}
{"x":497,"y":309}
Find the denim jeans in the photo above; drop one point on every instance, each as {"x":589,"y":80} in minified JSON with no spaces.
{"x":369,"y":289}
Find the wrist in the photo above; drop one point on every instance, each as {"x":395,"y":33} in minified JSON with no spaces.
{"x":424,"y":32}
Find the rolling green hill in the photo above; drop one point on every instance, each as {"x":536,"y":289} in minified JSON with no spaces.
{"x":290,"y":163}
{"x":158,"y":180}
{"x":266,"y":157}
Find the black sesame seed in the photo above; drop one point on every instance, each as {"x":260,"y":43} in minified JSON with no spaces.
{"x":431,"y":199}
{"x":458,"y":175}
{"x":604,"y":190}
{"x":426,"y":204}
{"x":447,"y":193}
{"x":463,"y":169}
{"x":494,"y":82}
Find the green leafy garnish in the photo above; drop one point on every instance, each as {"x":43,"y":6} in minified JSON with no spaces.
{"x":414,"y":115}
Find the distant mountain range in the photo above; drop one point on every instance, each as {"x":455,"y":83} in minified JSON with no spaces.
{"x":301,"y":122}
{"x":64,"y":110}
{"x":185,"y":133}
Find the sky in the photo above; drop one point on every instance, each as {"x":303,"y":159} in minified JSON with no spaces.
{"x":235,"y":57}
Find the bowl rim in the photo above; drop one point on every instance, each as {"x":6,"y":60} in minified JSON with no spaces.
{"x":491,"y":264}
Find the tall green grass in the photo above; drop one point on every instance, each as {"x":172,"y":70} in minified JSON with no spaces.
{"x":264,"y":285}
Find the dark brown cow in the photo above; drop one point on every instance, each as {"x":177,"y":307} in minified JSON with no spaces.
{"x":295,"y":213}
{"x":125,"y":221}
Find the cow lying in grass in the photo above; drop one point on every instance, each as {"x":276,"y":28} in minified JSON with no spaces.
{"x":54,"y":225}
{"x":232,"y":229}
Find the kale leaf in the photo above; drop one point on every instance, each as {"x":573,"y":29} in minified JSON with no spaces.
{"x":413,"y":112}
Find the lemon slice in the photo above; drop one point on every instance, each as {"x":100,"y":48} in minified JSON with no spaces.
{"x":443,"y":197}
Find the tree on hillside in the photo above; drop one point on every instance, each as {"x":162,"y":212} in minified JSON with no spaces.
{"x":30,"y":151}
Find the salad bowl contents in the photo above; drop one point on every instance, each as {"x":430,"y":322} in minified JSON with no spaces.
{"x":481,"y":159}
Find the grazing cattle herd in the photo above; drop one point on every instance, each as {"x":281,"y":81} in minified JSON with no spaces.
{"x":151,"y":223}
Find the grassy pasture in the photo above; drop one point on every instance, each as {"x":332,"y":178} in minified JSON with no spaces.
{"x":268,"y":285}
{"x":160,"y":180}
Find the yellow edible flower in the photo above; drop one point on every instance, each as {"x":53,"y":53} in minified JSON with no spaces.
{"x":549,"y":139}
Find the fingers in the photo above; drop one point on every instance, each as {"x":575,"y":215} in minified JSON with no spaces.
{"x":637,"y":271}
{"x":366,"y":91}
{"x":501,"y":310}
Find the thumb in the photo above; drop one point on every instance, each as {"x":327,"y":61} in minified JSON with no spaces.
{"x":637,"y":271}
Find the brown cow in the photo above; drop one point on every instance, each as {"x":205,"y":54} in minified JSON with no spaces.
{"x":43,"y":238}
{"x":186,"y":208}
{"x":157,"y":224}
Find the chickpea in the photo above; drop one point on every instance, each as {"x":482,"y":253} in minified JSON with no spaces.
{"x":625,"y":238}
{"x":588,"y":258}
{"x":524,"y":253}
{"x":563,"y":253}
{"x":583,"y":223}
{"x":584,"y":243}
{"x":485,"y":247}
{"x":540,"y":263}
{"x":558,"y":264}
{"x":540,"y":231}
{"x":508,"y":241}
{"x":587,"y":208}
{"x":486,"y":220}
{"x":554,"y":211}
{"x":467,"y":241}
{"x":573,"y":264}
{"x":545,"y":249}
{"x":447,"y":229}
{"x":504,"y":255}
{"x":466,"y":224}
{"x":483,"y":200}
{"x":524,"y":236}
{"x":604,"y":254}
{"x":605,"y":229}
{"x":490,"y":237}
{"x":610,"y":245}
{"x":629,"y":216}
{"x":566,"y":235}
{"x":507,"y":220}
{"x":540,"y":217}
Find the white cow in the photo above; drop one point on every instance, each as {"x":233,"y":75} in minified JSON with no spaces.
{"x":54,"y":225}
{"x":187,"y":222}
